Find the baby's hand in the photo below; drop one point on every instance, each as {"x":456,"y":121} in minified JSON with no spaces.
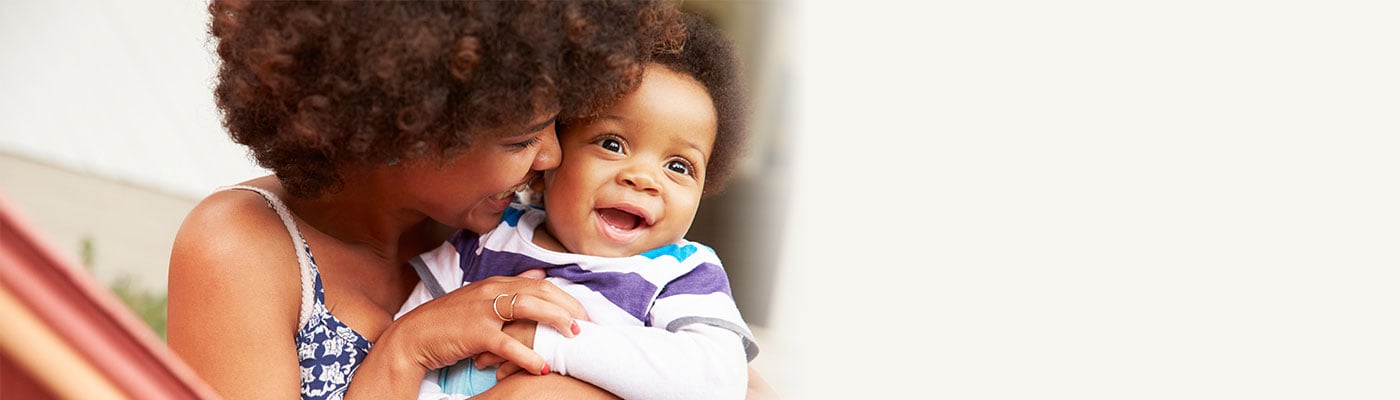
{"x":522,"y":331}
{"x":535,"y":273}
{"x":507,"y":370}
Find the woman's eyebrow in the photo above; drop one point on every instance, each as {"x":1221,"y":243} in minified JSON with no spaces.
{"x":540,"y":125}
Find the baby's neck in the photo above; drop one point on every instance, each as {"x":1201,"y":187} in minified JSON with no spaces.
{"x":547,"y":241}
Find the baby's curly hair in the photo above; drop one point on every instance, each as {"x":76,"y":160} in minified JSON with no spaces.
{"x":311,"y":87}
{"x":708,"y":56}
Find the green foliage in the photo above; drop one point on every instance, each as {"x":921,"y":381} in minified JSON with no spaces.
{"x":87,"y":251}
{"x":144,"y":303}
{"x":148,"y":305}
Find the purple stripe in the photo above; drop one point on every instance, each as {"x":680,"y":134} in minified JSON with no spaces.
{"x":704,"y":279}
{"x":496,"y":263}
{"x":629,"y":291}
{"x":465,"y":242}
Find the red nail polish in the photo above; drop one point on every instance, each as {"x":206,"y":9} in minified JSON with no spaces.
{"x":573,"y":326}
{"x":545,"y":371}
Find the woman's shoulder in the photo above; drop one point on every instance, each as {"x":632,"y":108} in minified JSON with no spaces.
{"x":232,"y":237}
{"x":234,"y":282}
{"x":236,"y":221}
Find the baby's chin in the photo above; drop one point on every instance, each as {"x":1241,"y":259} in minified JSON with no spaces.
{"x":603,"y":248}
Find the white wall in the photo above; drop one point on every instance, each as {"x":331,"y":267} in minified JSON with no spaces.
{"x":1094,"y":200}
{"x":118,"y":89}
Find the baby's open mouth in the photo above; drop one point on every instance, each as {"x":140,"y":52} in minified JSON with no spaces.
{"x":619,"y":219}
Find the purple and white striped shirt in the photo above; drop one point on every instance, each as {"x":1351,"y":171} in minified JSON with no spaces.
{"x":663,"y":323}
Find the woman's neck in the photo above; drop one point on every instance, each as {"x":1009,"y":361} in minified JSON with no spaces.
{"x":366,"y":213}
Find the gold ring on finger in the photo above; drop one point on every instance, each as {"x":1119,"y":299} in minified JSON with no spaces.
{"x":513,"y":297}
{"x":495,"y":307}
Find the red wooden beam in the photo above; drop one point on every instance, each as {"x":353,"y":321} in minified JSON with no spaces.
{"x":88,"y":317}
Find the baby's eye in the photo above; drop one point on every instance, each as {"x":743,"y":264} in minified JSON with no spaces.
{"x":611,"y":145}
{"x":679,"y":167}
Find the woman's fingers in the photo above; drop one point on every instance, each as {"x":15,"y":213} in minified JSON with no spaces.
{"x":554,"y":295}
{"x":534,"y":309}
{"x":515,"y":352}
{"x":468,"y":321}
{"x":537,"y":296}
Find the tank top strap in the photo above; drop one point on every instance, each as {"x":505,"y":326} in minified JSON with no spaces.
{"x":308,"y":273}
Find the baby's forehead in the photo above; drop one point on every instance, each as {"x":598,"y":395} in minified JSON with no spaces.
{"x":641,"y":133}
{"x":643,"y":138}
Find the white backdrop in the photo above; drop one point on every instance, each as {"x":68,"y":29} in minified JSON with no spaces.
{"x":1094,"y":200}
{"x":120,"y":89}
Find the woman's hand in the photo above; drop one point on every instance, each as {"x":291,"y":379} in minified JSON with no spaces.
{"x":463,"y":323}
{"x":521,"y":331}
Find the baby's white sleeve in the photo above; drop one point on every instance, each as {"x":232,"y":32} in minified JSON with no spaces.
{"x":696,"y":361}
{"x":444,"y":265}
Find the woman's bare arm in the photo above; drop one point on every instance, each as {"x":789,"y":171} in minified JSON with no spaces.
{"x":551,"y":386}
{"x":234,"y":295}
{"x":758,"y":388}
{"x":554,"y":386}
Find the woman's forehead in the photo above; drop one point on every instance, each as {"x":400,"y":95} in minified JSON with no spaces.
{"x":523,"y":127}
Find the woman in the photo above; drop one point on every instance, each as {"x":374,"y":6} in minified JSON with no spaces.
{"x":386,"y":125}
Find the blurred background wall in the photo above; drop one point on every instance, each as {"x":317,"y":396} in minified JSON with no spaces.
{"x":108,"y":134}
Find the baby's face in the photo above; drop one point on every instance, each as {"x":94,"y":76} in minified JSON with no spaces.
{"x":630,"y":180}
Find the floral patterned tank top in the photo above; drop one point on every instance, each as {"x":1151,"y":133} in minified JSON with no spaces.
{"x":328,"y":349}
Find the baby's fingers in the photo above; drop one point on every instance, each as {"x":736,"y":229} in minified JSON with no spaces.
{"x":483,"y":360}
{"x":506,"y":370}
{"x":534,"y":273}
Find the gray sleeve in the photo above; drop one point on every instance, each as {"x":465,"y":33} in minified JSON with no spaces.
{"x":750,"y":346}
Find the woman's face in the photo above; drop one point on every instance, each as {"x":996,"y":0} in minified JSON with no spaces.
{"x":472,"y":187}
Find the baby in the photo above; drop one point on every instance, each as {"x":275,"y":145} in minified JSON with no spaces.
{"x":663,"y":323}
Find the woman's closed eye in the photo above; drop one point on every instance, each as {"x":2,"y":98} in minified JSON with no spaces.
{"x":525,"y":144}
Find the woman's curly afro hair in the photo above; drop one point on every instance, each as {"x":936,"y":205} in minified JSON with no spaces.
{"x":313,"y":87}
{"x":708,"y":56}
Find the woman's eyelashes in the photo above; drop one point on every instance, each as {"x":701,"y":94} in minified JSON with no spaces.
{"x":544,"y":128}
{"x":525,"y":144}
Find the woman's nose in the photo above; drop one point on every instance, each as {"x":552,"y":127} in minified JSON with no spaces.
{"x":548,"y":156}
